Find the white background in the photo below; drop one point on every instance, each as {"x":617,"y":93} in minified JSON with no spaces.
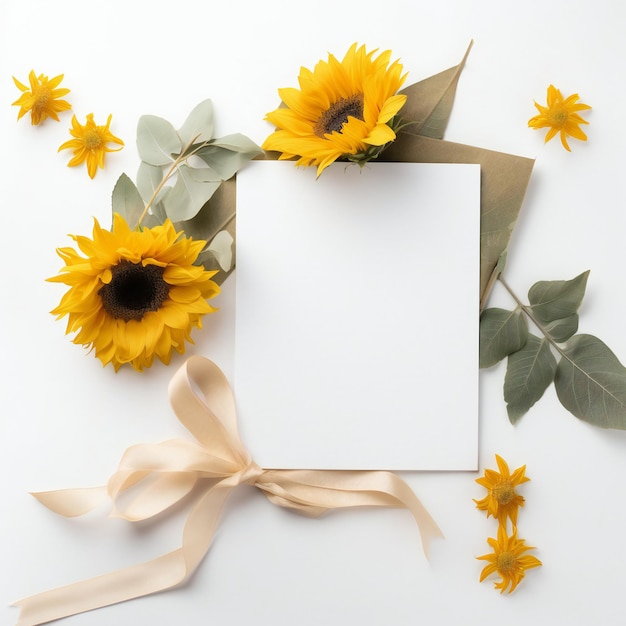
{"x":65,"y":421}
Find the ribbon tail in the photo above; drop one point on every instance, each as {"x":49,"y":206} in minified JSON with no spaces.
{"x":315,"y":491}
{"x":72,"y":502}
{"x":160,"y":574}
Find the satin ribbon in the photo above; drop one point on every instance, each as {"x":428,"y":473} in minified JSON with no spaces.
{"x":153,"y":477}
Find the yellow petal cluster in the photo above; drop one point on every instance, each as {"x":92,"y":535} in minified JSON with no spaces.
{"x":42,"y":99}
{"x":343,"y":109}
{"x":134,"y":295}
{"x":90,"y":143}
{"x":560,"y":116}
{"x":502,"y":502}
{"x":508,"y":560}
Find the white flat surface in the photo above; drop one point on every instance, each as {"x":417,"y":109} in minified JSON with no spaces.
{"x":65,"y":421}
{"x":342,"y":357}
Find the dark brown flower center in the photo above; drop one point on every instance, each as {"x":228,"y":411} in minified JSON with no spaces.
{"x":337,"y":115}
{"x":134,"y":290}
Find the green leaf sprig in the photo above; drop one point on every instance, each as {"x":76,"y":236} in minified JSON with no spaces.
{"x":589,"y":379}
{"x":198,"y":166}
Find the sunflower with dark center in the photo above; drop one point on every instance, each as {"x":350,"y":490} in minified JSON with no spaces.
{"x":343,"y":110}
{"x":135,"y":295}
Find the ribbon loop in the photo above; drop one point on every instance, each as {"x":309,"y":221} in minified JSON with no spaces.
{"x":151,"y":478}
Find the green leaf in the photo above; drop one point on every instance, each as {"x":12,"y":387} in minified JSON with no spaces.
{"x":198,"y":126}
{"x":126,"y":200}
{"x":529,"y":373}
{"x":238,"y":143}
{"x":149,"y":177}
{"x":557,"y":299}
{"x":225,"y":163}
{"x":189,"y":194}
{"x":222,"y":249}
{"x":156,"y":140}
{"x":591,"y":383}
{"x":561,"y":330}
{"x":501,"y":333}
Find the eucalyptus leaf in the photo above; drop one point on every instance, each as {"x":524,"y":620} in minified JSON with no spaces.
{"x":529,"y":373}
{"x":224,"y":162}
{"x":222,"y":248}
{"x":149,"y":177}
{"x":238,"y":143}
{"x":158,"y":206}
{"x":561,"y":330}
{"x":126,"y":200}
{"x":210,"y":263}
{"x":157,"y":140}
{"x":189,"y":194}
{"x":557,"y":299}
{"x":501,"y":333}
{"x":591,"y":382}
{"x":198,"y":126}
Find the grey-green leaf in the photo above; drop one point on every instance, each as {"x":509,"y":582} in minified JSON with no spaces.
{"x":561,"y":330}
{"x":189,"y":194}
{"x":126,"y":200}
{"x":225,"y":163}
{"x":156,"y":140}
{"x":557,"y":299}
{"x":222,"y":248}
{"x":501,"y":333}
{"x":591,"y":383}
{"x":198,"y":126}
{"x":529,"y":373}
{"x":238,"y":143}
{"x":149,"y":177}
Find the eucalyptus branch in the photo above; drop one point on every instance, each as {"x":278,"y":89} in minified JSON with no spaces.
{"x":183,"y":156}
{"x":528,"y":311}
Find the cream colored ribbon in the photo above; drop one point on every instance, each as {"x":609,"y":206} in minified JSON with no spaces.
{"x":153,"y":477}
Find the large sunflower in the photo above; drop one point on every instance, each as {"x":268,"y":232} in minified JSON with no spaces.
{"x":343,"y":109}
{"x":135,"y":294}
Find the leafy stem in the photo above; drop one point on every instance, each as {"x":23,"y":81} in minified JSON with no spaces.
{"x":528,"y":311}
{"x":186,"y":152}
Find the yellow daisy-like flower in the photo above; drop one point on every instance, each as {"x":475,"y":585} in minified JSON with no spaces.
{"x":508,"y":560}
{"x":343,"y":109}
{"x":90,"y":143}
{"x":42,"y":99}
{"x":560,"y":116}
{"x":135,"y":294}
{"x":502,"y":501}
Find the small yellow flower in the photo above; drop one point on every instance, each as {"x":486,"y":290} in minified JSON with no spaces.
{"x":42,"y":99}
{"x":502,"y":501}
{"x":508,"y":560}
{"x":90,"y":144}
{"x":343,"y":109}
{"x":560,"y":117}
{"x":135,"y":294}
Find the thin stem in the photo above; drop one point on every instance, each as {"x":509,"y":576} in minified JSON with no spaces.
{"x":528,"y":311}
{"x":183,"y":156}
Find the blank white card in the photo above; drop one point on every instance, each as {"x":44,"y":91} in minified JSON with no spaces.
{"x":357,"y":315}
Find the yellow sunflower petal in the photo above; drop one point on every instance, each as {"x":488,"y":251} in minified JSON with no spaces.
{"x":318,"y":125}
{"x":127,"y":310}
{"x":560,"y":117}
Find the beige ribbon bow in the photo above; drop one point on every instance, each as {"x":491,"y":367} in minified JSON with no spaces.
{"x":161,"y":474}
